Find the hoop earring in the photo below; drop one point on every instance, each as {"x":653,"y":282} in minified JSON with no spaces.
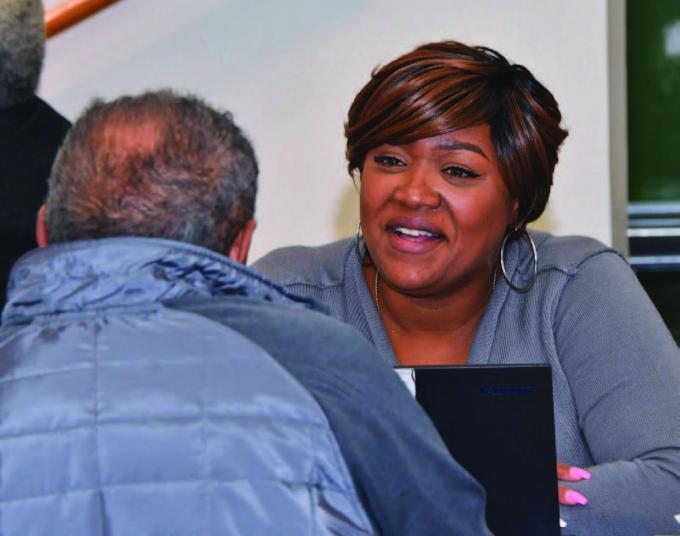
{"x":357,"y":240}
{"x":522,"y":232}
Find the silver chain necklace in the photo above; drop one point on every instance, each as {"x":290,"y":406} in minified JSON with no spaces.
{"x":377,"y":290}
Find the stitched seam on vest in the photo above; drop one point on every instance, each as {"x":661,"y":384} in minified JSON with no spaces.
{"x":9,"y":379}
{"x":102,"y":501}
{"x":169,"y":420}
{"x":312,"y":508}
{"x":349,"y":486}
{"x":204,"y":441}
{"x":217,"y":483}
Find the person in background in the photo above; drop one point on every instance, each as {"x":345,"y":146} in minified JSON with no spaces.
{"x":454,"y":148}
{"x":153,"y":384}
{"x":30,"y":130}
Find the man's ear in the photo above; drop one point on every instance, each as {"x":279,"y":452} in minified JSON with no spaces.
{"x":241,"y":245}
{"x":41,"y":227}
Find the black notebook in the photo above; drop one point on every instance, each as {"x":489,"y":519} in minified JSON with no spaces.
{"x":498,"y":423}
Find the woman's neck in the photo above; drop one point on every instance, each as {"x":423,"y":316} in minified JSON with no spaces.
{"x":430,"y":330}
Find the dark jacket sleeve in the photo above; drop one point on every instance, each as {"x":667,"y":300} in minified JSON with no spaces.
{"x":623,"y":369}
{"x":409,"y":483}
{"x":398,"y":461}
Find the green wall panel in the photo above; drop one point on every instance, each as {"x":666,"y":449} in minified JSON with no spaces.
{"x":653,"y":56}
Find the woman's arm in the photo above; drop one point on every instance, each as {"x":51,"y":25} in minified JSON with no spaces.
{"x":624,"y":372}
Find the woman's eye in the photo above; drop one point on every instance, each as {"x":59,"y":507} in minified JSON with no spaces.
{"x":457,"y":171}
{"x":389,"y":161}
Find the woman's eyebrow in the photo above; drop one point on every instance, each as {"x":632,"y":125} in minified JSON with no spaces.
{"x":453,"y":145}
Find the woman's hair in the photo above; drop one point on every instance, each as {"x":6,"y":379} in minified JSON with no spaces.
{"x":442,"y":87}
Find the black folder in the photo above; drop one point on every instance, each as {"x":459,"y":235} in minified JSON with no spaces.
{"x":498,"y":423}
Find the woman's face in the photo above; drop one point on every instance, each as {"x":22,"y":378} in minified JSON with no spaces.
{"x":434,"y":212}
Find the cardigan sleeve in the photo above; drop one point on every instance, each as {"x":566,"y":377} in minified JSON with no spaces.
{"x":623,"y":369}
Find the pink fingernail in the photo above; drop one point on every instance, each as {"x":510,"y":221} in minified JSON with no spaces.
{"x":575,"y":497}
{"x":577,"y":472}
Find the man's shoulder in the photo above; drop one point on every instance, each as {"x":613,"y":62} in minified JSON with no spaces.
{"x":320,"y":266}
{"x":315,"y":348}
{"x":42,"y":127}
{"x":297,"y":329}
{"x":49,"y":116}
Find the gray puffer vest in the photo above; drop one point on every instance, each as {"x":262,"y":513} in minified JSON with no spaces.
{"x":120,"y":416}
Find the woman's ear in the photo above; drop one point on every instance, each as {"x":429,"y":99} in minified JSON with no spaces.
{"x":41,"y":227}
{"x":514,"y":219}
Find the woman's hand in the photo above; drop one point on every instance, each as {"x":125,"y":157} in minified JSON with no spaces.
{"x":569,"y":473}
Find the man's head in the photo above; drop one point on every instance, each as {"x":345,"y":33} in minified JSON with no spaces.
{"x":22,"y":48}
{"x":156,"y":165}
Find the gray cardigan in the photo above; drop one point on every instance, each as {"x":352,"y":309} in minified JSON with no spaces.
{"x":616,"y":368}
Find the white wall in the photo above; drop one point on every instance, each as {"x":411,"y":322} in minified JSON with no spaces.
{"x":288,"y":70}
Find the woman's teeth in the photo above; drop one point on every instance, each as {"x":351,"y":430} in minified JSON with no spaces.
{"x":415,"y":233}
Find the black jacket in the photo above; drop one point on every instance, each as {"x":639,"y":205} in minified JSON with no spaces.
{"x":30,"y":135}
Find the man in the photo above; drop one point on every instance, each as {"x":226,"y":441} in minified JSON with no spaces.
{"x":151,"y":385}
{"x":30,"y":131}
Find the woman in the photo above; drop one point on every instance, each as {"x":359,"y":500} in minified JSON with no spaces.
{"x":455,"y":149}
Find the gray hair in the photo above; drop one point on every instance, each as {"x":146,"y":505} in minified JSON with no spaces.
{"x":156,"y":165}
{"x":22,"y":49}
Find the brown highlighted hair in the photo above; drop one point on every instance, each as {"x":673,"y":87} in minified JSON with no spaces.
{"x":446,"y":86}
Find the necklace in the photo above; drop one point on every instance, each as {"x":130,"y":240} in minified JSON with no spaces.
{"x":376,"y":287}
{"x":377,"y":291}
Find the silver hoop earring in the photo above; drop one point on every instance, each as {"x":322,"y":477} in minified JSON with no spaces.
{"x":357,"y":243}
{"x":522,"y":232}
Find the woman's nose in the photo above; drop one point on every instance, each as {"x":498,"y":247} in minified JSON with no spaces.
{"x":416,"y":189}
